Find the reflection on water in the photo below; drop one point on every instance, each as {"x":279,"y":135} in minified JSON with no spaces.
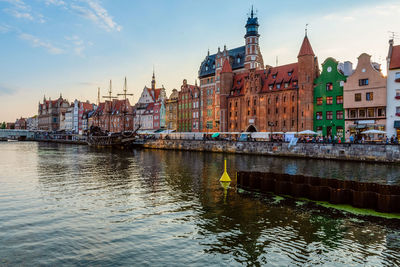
{"x":81,"y":206}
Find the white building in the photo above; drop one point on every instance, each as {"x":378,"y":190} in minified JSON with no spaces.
{"x":69,"y":118}
{"x":32,"y":123}
{"x":75,"y":119}
{"x":393,"y":91}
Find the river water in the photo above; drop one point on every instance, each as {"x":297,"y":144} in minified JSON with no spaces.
{"x":74,"y":205}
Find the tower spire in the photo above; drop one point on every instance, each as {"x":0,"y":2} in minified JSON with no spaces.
{"x":306,"y":30}
{"x":153,"y":81}
{"x":252,"y":13}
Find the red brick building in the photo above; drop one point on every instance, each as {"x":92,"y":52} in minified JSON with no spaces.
{"x":189,"y":108}
{"x":240,"y":94}
{"x":20,"y":124}
{"x":109,"y":116}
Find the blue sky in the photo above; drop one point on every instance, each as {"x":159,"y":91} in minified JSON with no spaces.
{"x":72,"y":47}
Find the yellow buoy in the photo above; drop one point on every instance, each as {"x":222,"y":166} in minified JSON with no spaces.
{"x":225,"y":177}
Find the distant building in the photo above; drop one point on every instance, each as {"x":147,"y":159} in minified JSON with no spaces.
{"x":189,"y":108}
{"x":112,"y":116}
{"x":10,"y":125}
{"x":69,"y":118}
{"x":49,"y":113}
{"x":328,"y":100}
{"x":20,"y":124}
{"x":171,"y":108}
{"x":393,"y":91}
{"x":364,"y":101}
{"x":32,"y":123}
{"x":149,"y":111}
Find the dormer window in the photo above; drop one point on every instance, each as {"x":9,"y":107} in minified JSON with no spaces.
{"x":213,"y":66}
{"x":278,"y":86}
{"x":274,"y":76}
{"x":238,"y":60}
{"x":206,"y":68}
{"x":286,"y":85}
{"x":270,"y":86}
{"x":290,"y":73}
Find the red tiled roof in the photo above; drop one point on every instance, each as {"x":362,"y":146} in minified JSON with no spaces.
{"x":395,"y":58}
{"x":226,"y":67}
{"x":282,"y":76}
{"x":238,"y":84}
{"x":306,"y":48}
{"x":87,"y":106}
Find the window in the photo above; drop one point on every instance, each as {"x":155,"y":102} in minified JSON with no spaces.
{"x":269,"y":100}
{"x":319,"y":101}
{"x":274,"y":76}
{"x":339,"y":99}
{"x":371,"y":112}
{"x":369,"y":96}
{"x":248,"y":112}
{"x":292,"y":123}
{"x":361,"y":113}
{"x":277,"y":99}
{"x":292,"y":109}
{"x":270,"y":86}
{"x":254,"y":112}
{"x":319,"y":115}
{"x":248,"y":103}
{"x":278,"y":86}
{"x":397,"y":77}
{"x":255,"y":102}
{"x":357,"y":97}
{"x":209,"y":112}
{"x":290,"y":73}
{"x":235,"y":104}
{"x":329,"y":115}
{"x":381,"y":112}
{"x":276,"y":111}
{"x":329,"y":87}
{"x":397,"y":110}
{"x":286,"y":85}
{"x":284,"y":110}
{"x":269,"y":111}
{"x":292,"y":97}
{"x":339,"y":132}
{"x":363,"y":82}
{"x":329,"y":100}
{"x":339,"y":115}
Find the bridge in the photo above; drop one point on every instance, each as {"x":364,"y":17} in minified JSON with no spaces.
{"x":18,"y":134}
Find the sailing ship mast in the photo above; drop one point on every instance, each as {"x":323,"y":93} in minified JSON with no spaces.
{"x":125,"y":94}
{"x":110,"y":97}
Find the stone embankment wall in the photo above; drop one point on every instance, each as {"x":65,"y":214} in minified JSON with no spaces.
{"x":357,"y":152}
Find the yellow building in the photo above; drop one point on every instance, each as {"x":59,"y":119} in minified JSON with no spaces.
{"x":171,"y":106}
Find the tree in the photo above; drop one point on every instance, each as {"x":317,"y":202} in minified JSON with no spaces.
{"x":3,"y":125}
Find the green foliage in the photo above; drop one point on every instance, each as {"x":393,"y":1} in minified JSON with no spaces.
{"x":3,"y":125}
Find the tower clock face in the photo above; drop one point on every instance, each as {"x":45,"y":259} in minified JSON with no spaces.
{"x":329,"y":69}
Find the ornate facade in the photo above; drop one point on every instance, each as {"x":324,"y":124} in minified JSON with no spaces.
{"x":239,"y":94}
{"x":49,"y":113}
{"x":189,"y":108}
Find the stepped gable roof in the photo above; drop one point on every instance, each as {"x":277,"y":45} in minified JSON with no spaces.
{"x":281,"y":74}
{"x":306,"y":48}
{"x":226,"y":67}
{"x":395,"y":58}
{"x":206,"y":67}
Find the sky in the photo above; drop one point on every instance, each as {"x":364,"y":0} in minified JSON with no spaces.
{"x":72,"y":47}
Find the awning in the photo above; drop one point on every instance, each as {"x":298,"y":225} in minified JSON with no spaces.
{"x":360,"y":126}
{"x":397,"y":124}
{"x":215,"y":135}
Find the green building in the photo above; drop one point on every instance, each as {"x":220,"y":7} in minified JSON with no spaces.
{"x":328,"y":100}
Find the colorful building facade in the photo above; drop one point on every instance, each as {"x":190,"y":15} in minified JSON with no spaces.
{"x":393,"y":91}
{"x":328,"y":101}
{"x":171,"y":111}
{"x":364,"y":98}
{"x":189,"y":108}
{"x":240,"y":94}
{"x":49,"y":113}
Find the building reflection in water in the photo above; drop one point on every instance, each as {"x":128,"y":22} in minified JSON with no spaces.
{"x":248,"y":229}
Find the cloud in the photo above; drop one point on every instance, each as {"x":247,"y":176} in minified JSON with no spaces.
{"x":20,"y":10}
{"x":7,"y":90}
{"x":36,"y":42}
{"x":55,"y":2}
{"x":5,"y":28}
{"x":78,"y":45}
{"x":94,"y":12}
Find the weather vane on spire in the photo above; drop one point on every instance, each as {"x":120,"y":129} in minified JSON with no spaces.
{"x":306,"y":28}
